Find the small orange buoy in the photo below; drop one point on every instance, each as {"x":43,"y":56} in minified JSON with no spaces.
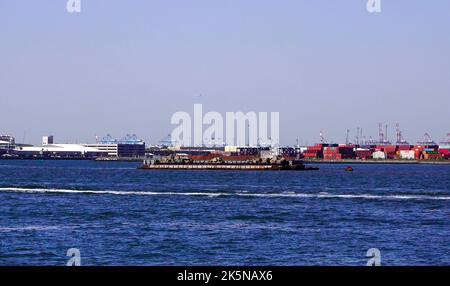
{"x":349,"y":169}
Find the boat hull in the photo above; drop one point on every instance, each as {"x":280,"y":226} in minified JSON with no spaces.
{"x":247,"y":167}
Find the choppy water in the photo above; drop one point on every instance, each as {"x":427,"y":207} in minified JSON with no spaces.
{"x":117,"y":215}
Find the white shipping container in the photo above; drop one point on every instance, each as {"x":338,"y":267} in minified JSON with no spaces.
{"x":231,"y":148}
{"x":379,"y":155}
{"x":407,"y":154}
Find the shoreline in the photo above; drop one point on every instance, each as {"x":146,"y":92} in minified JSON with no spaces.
{"x":316,"y":161}
{"x":75,"y":159}
{"x":381,"y":162}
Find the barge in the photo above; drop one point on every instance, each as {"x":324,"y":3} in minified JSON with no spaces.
{"x":295,"y":165}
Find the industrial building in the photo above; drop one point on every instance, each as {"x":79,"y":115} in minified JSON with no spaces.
{"x":59,"y":151}
{"x":7,"y":144}
{"x":46,"y":140}
{"x":128,"y":147}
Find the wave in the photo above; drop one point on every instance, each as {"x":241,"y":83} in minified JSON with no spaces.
{"x":228,"y":194}
{"x":31,"y":228}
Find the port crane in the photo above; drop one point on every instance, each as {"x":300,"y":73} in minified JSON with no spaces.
{"x":426,"y":140}
{"x":400,"y":139}
{"x":446,"y":141}
{"x":108,"y":139}
{"x":322,"y":138}
{"x":359,"y":138}
{"x":383,"y":140}
{"x":168,"y":141}
{"x":357,"y":135}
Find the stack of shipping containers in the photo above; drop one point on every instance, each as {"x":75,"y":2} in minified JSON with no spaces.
{"x":314,"y":152}
{"x":363,"y":154}
{"x":290,"y":153}
{"x":431,"y":153}
{"x":444,"y":150}
{"x":339,"y":152}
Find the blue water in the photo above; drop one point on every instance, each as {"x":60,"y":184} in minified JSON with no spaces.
{"x":118,"y":215}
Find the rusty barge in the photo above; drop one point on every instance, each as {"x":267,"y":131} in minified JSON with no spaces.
{"x":284,"y":165}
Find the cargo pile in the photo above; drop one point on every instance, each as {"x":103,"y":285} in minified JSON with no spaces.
{"x":322,"y":151}
{"x":377,"y":152}
{"x":339,"y":152}
{"x":314,"y":152}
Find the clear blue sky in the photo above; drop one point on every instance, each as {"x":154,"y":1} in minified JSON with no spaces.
{"x":126,"y":66}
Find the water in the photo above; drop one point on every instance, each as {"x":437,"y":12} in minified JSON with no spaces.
{"x":118,"y":215}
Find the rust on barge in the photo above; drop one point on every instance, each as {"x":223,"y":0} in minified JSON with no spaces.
{"x":249,"y":165}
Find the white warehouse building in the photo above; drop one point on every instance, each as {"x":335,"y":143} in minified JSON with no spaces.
{"x":48,"y":149}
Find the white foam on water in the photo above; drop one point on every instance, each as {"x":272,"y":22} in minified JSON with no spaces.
{"x":218,"y":194}
{"x":32,"y":228}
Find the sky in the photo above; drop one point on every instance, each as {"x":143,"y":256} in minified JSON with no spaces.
{"x":123,"y":67}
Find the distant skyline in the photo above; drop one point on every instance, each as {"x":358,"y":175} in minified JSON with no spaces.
{"x":124,"y":67}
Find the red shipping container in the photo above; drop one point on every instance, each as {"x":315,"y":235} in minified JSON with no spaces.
{"x":404,"y":147}
{"x":363,"y":154}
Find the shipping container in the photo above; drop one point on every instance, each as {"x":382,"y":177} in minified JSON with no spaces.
{"x":404,"y":147}
{"x":432,"y":156}
{"x":430,"y":152}
{"x":391,"y":155}
{"x":379,"y":155}
{"x":407,"y":155}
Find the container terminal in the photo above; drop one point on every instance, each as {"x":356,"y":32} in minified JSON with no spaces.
{"x":131,"y":148}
